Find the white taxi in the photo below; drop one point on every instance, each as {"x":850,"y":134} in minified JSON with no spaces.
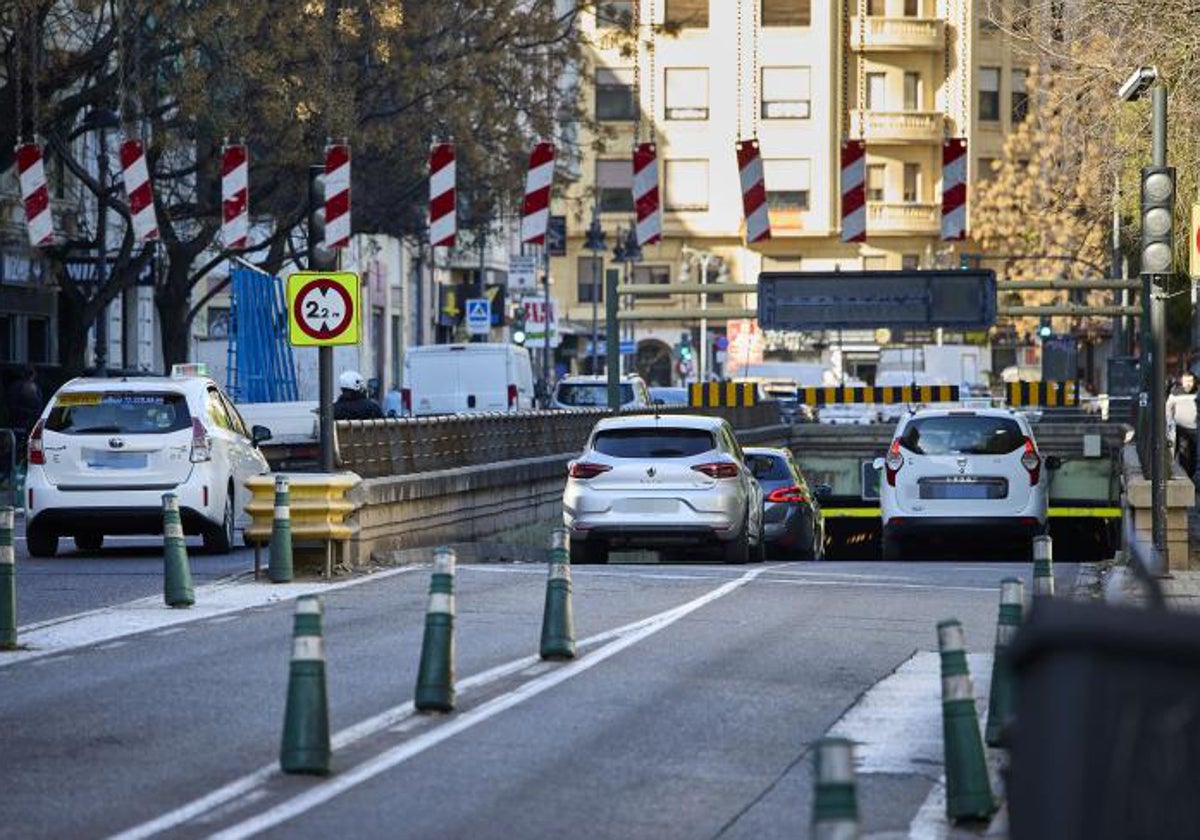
{"x":106,"y":450}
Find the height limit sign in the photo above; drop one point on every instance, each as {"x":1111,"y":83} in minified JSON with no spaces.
{"x":323,"y":308}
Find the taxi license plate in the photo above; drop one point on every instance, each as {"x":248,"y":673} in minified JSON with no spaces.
{"x":101,"y":459}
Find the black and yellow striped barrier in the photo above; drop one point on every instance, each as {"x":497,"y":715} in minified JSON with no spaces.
{"x":1050,"y":394}
{"x":715,"y":394}
{"x":883,"y":394}
{"x":1071,"y":512}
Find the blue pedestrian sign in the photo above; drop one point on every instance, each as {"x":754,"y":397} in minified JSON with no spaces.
{"x":479,"y":316}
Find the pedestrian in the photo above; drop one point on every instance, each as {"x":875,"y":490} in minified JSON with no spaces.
{"x":24,"y":400}
{"x":354,"y":404}
{"x":1181,"y":422}
{"x":393,"y":403}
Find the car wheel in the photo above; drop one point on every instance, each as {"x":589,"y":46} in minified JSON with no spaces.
{"x":892,"y":550}
{"x":588,"y":552}
{"x":40,"y":544}
{"x":219,"y":540}
{"x":737,"y":550}
{"x":89,"y":542}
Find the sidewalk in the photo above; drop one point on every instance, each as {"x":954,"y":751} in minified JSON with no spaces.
{"x":1117,"y":584}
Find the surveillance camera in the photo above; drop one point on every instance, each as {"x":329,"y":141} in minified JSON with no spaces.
{"x":1138,"y":83}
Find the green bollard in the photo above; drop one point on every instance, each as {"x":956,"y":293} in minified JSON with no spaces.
{"x":558,"y":626}
{"x":305,"y":747}
{"x":1001,"y":702}
{"x":1043,"y":567}
{"x":835,"y":798}
{"x":435,"y":675}
{"x":177,"y":574}
{"x":968,"y":789}
{"x":8,"y":583}
{"x":279,"y":568}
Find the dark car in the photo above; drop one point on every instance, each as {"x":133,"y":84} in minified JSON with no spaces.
{"x":792,"y":523}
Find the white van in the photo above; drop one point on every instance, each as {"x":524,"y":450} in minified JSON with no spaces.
{"x":457,"y":378}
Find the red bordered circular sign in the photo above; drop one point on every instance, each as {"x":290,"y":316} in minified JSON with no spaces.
{"x":323,"y":309}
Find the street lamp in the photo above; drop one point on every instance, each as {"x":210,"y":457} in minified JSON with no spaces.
{"x":100,"y":120}
{"x":1158,"y":192}
{"x":595,"y":243}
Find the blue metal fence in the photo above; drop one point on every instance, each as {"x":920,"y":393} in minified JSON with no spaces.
{"x":259,"y":358}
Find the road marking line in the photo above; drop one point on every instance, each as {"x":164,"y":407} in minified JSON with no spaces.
{"x":870,"y":585}
{"x":620,"y":638}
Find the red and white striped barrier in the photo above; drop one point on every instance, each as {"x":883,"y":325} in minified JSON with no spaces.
{"x":235,"y":196}
{"x":337,"y":195}
{"x":35,"y":195}
{"x":954,"y":189}
{"x":754,"y":192}
{"x":645,"y":194}
{"x":443,"y":215}
{"x":854,"y":191}
{"x":535,"y":211}
{"x":138,"y":191}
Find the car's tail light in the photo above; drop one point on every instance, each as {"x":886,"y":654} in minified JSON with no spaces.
{"x":787,"y":494}
{"x":1032,"y":462}
{"x":512,"y":396}
{"x":406,"y":400}
{"x":37,"y":454}
{"x":893,"y":462}
{"x":584,"y":469}
{"x":201,"y":443}
{"x":718,"y":469}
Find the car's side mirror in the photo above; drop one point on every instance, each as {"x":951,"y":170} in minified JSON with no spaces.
{"x":258,"y":434}
{"x":1053,"y":462}
{"x":877,"y":463}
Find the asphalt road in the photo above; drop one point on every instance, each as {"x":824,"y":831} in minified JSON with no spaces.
{"x":690,"y":711}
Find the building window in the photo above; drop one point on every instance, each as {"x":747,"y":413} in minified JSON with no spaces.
{"x":912,"y":92}
{"x":686,"y":13}
{"x":875,"y":175}
{"x":788,"y":183}
{"x":686,"y":185}
{"x":614,"y":14}
{"x":687,"y":93}
{"x":218,"y":321}
{"x":1020,"y":95}
{"x":912,"y":8}
{"x":910,"y":262}
{"x":989,"y":93}
{"x":589,"y":290}
{"x":614,"y":95}
{"x":912,"y":182}
{"x":876,"y":91}
{"x":37,"y":333}
{"x":660,"y":275}
{"x":614,"y":179}
{"x":786,"y":93}
{"x":786,"y":12}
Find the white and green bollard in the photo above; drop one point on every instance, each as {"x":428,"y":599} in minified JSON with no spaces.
{"x":1002,"y":701}
{"x":306,"y":746}
{"x":1043,"y":567}
{"x":835,"y":797}
{"x":279,"y":568}
{"x":558,"y":625}
{"x":8,"y":582}
{"x":177,"y":574}
{"x":435,"y":674}
{"x":968,"y":788}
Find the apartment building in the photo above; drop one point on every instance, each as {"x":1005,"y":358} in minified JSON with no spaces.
{"x":799,"y":75}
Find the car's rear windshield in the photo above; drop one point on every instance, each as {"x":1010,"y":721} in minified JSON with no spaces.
{"x":768,"y":467}
{"x":590,"y":395}
{"x":962,"y":435}
{"x":653,"y":443}
{"x":113,"y":412}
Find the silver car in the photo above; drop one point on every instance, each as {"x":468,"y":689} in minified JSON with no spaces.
{"x":662,"y":482}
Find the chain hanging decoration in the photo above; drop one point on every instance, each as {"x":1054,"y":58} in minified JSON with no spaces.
{"x":738,"y":98}
{"x":755,"y":105}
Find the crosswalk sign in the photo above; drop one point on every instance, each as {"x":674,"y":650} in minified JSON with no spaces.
{"x":479,"y":316}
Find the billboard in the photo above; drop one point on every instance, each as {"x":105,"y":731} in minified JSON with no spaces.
{"x":824,"y":300}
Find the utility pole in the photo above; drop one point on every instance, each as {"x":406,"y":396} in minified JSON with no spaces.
{"x":595,"y":244}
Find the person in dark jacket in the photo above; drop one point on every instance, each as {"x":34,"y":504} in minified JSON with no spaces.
{"x":24,"y":398}
{"x":354,"y":404}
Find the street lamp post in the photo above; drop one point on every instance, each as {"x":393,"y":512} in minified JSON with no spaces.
{"x":595,"y":244}
{"x":705,"y":258}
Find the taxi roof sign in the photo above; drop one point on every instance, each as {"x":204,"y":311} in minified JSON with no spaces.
{"x":182,"y":369}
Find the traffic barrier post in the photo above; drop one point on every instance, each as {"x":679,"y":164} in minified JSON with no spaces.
{"x":8,"y":582}
{"x":1043,"y":566}
{"x":177,"y":574}
{"x":835,"y":798}
{"x":1001,"y":698}
{"x":279,"y":568}
{"x":305,"y":746}
{"x":435,"y":675}
{"x":558,"y":625}
{"x":968,"y":789}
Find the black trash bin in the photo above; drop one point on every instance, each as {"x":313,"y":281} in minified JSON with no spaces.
{"x":1106,"y":738}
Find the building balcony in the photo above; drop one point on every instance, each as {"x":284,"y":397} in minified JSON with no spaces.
{"x":897,"y":127}
{"x":896,"y":34}
{"x":896,"y":218}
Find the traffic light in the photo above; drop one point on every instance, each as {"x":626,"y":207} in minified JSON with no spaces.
{"x":1158,"y":220}
{"x":1044,"y":329}
{"x":516,"y":328}
{"x":685,"y":347}
{"x":320,"y":258}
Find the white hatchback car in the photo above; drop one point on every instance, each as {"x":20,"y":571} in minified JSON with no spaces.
{"x":106,"y":450}
{"x":965,"y":474}
{"x":663,"y":482}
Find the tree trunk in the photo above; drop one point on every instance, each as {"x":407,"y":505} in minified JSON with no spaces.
{"x":73,"y":325}
{"x":171,"y":301}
